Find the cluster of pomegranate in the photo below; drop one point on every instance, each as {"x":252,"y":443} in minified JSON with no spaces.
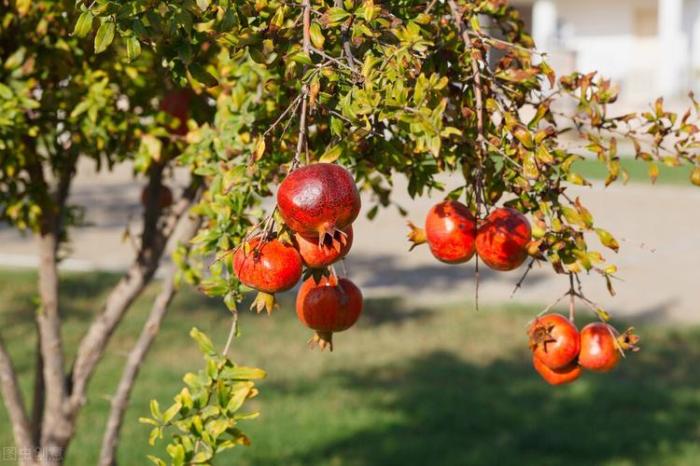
{"x":453,"y":235}
{"x":318,"y":204}
{"x":560,"y":352}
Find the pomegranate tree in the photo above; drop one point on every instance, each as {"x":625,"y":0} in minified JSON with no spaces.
{"x":420,"y":89}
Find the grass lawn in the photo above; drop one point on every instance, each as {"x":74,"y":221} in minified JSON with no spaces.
{"x":637,"y":169}
{"x":409,"y":386}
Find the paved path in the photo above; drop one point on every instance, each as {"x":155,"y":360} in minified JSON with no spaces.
{"x":658,"y":227}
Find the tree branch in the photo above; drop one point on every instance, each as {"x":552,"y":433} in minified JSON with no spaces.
{"x":347,"y":47}
{"x":304,"y":88}
{"x":119,"y":404}
{"x":130,"y":286}
{"x":12,"y":396}
{"x":39,"y":394}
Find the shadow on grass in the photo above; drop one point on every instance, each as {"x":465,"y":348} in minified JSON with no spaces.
{"x":457,"y":413}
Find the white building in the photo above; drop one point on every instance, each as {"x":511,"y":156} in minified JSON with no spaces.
{"x":648,"y":47}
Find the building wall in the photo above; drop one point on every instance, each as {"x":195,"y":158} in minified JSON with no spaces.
{"x":614,"y":38}
{"x":630,"y":41}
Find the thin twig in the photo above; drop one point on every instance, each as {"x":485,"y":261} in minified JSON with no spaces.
{"x":232,"y":333}
{"x":481,"y":139}
{"x":430,"y":6}
{"x":345,"y":37}
{"x":323,"y":54}
{"x":572,"y":298}
{"x":548,"y":308}
{"x":522,"y":279}
{"x":292,"y":107}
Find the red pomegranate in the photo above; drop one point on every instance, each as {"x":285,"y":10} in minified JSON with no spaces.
{"x":318,"y":199}
{"x":271,"y":267}
{"x":554,"y":340}
{"x":330,"y":305}
{"x":561,"y":376}
{"x":318,"y":253}
{"x":176,"y":103}
{"x":450,"y":230}
{"x":599,"y":350}
{"x":165,"y":197}
{"x":502,"y":240}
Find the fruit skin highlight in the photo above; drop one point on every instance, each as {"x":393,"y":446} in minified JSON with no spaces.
{"x":502,"y":240}
{"x":554,"y":341}
{"x":561,"y":376}
{"x":319,"y":199}
{"x":271,"y":267}
{"x":599,"y":350}
{"x":318,"y":254}
{"x":450,"y":231}
{"x":328,"y":306}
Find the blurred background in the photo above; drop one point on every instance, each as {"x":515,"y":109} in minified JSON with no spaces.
{"x":425,"y":379}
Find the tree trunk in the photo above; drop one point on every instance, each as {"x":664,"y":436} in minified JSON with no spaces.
{"x":57,"y":427}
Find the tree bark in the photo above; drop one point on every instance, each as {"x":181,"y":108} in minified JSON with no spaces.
{"x":12,"y":396}
{"x":57,"y":428}
{"x":138,"y":353}
{"x":39,"y":394}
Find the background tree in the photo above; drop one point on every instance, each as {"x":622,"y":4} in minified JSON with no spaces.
{"x":384,"y":88}
{"x":63,"y":102}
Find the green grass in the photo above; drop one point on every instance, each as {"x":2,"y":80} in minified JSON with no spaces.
{"x":638,"y":171}
{"x":408,"y":386}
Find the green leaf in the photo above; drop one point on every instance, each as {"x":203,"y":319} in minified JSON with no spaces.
{"x":155,"y":410}
{"x":157,"y":461}
{"x":242,"y":373}
{"x":148,"y":420}
{"x":607,"y":240}
{"x":84,"y":24}
{"x":104,"y":36}
{"x":205,"y":344}
{"x":303,"y":58}
{"x":171,"y":412}
{"x":317,"y":36}
{"x":201,"y":75}
{"x":332,"y":154}
{"x":259,"y":148}
{"x":177,"y":453}
{"x":154,"y":435}
{"x":133,"y":48}
{"x":335,"y":15}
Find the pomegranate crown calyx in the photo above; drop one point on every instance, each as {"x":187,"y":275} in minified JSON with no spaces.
{"x":416,"y":235}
